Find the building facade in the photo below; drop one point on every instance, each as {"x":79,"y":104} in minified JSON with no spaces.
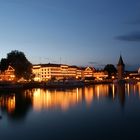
{"x":45,"y":72}
{"x":100,"y":75}
{"x":8,"y":75}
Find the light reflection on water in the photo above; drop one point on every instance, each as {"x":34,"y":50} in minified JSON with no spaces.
{"x":64,"y":99}
{"x":87,"y":109}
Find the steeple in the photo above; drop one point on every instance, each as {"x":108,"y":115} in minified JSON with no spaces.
{"x":120,"y":67}
{"x":120,"y":63}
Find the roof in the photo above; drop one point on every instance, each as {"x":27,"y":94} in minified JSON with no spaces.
{"x":120,"y":61}
{"x":73,"y":66}
{"x":92,"y":68}
{"x":48,"y":65}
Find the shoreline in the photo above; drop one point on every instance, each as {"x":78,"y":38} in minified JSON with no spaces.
{"x":53,"y":85}
{"x":16,"y":85}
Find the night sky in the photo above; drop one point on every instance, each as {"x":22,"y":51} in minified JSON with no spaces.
{"x":77,"y":32}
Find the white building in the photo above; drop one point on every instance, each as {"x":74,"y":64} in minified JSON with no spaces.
{"x":44,"y":72}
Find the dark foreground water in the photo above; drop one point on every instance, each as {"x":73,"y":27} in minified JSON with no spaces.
{"x":95,"y":112}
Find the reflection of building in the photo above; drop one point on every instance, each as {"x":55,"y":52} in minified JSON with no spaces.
{"x":19,"y":104}
{"x":8,"y":102}
{"x":121,"y":93}
{"x":45,"y":99}
{"x":120,"y":67}
{"x":8,"y":75}
{"x":56,"y":99}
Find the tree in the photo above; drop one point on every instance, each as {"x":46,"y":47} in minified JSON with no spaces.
{"x":110,"y":68}
{"x":23,"y":68}
{"x":4,"y":64}
{"x":17,"y":59}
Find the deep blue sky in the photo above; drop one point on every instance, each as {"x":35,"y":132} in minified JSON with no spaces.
{"x":81,"y":32}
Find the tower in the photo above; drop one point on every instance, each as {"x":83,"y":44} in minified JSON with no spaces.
{"x":120,"y":68}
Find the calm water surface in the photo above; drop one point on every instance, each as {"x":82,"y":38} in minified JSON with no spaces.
{"x":94,"y":112}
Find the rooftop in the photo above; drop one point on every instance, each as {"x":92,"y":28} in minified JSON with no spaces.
{"x":120,"y":61}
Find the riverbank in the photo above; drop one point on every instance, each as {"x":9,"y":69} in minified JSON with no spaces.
{"x":52,"y":85}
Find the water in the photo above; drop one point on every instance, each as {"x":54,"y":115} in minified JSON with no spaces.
{"x":94,"y":112}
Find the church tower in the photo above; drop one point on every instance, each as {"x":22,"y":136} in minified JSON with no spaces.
{"x":120,"y":68}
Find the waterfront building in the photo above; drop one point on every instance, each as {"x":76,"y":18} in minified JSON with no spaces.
{"x":8,"y":75}
{"x":45,"y":72}
{"x":135,"y":75}
{"x":100,"y":75}
{"x":88,"y":72}
{"x":120,"y":68}
{"x":79,"y":73}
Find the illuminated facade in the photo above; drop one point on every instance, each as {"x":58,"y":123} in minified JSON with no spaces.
{"x":88,"y":72}
{"x":100,"y":75}
{"x":8,"y":75}
{"x":44,"y":72}
{"x":8,"y":102}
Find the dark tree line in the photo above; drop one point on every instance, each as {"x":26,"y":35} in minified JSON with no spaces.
{"x":110,"y":68}
{"x":18,"y":60}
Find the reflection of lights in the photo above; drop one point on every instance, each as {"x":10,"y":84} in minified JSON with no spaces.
{"x":98,"y":92}
{"x":138,"y":83}
{"x":128,"y":89}
{"x":8,"y":103}
{"x":113,"y":91}
{"x":46,"y":99}
{"x":139,"y":89}
{"x":11,"y":104}
{"x":52,"y":99}
{"x":134,"y":89}
{"x":89,"y":95}
{"x":77,"y":94}
{"x":37,"y":93}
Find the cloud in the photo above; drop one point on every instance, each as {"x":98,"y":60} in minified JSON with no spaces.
{"x":132,"y":37}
